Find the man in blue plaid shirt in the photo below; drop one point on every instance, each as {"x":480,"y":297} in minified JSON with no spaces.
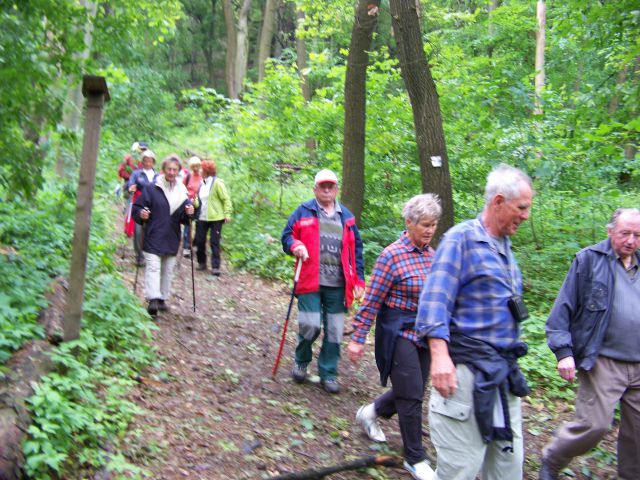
{"x":469,"y":313}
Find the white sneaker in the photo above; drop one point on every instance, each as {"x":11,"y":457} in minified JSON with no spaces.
{"x":186,"y":252}
{"x":421,"y":470}
{"x":368,"y":420}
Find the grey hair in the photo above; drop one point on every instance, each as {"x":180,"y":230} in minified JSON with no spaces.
{"x":172,"y":158}
{"x":505,"y":180}
{"x":426,"y":205}
{"x":618,"y":213}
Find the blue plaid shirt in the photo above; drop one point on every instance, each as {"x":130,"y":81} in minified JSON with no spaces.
{"x":468,"y":288}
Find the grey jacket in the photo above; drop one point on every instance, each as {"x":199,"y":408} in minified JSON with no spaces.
{"x":580,"y":316}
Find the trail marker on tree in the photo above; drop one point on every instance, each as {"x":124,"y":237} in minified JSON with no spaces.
{"x":95,"y":90}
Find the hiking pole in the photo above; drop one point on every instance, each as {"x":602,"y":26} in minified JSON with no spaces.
{"x":193,"y":281}
{"x":286,"y":321}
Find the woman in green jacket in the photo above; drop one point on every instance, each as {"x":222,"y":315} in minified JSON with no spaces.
{"x":215,"y":211}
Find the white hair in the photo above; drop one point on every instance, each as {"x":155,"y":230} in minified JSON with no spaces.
{"x":507,"y":181}
{"x":426,"y":205}
{"x":618,"y":213}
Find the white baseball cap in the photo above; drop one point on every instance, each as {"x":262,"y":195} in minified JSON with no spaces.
{"x":326,"y":176}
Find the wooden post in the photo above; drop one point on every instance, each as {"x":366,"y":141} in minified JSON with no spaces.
{"x":96,"y":91}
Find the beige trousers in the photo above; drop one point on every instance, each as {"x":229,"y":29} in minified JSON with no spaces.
{"x":158,"y":274}
{"x":599,"y":391}
{"x":461,"y":450}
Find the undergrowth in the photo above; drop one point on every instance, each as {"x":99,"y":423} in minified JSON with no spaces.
{"x":79,"y":411}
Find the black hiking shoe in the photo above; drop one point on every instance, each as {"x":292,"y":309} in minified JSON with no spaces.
{"x":298,"y":373}
{"x":162,"y":306}
{"x":153,"y":306}
{"x":331,"y":385}
{"x":201,"y":266}
{"x":215,"y":272}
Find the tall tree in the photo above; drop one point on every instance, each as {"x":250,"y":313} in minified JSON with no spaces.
{"x":301,"y":56}
{"x":237,"y":24}
{"x":266,"y":35}
{"x":72,"y":108}
{"x":541,"y":16}
{"x":355,"y":93}
{"x":493,"y":5}
{"x":427,"y":118}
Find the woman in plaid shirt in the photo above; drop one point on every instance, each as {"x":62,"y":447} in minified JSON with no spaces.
{"x":392,"y":301}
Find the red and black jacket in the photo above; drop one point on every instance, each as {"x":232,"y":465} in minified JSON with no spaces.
{"x":303,"y":228}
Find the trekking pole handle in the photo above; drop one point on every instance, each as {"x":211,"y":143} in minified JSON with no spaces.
{"x":298,"y":268}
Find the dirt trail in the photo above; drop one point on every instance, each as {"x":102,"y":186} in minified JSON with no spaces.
{"x":213,"y":411}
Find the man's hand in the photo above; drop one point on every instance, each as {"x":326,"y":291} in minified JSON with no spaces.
{"x":227,"y":219}
{"x":567,"y":368}
{"x":355,"y":351}
{"x":443,"y":371}
{"x":358,"y":292}
{"x":301,"y":252}
{"x":133,"y":188}
{"x":145,"y":213}
{"x":189,"y":209}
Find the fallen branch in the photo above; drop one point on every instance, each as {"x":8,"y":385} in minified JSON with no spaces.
{"x":311,"y":474}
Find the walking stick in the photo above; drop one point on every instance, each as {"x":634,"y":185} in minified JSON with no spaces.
{"x":193,"y":282}
{"x":364,"y":462}
{"x":286,"y":321}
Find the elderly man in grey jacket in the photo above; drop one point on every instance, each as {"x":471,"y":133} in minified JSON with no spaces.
{"x":594,"y":328}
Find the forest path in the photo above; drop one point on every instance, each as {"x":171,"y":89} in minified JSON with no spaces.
{"x":213,"y":411}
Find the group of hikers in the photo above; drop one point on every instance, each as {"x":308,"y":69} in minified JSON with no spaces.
{"x":451,"y":315}
{"x":161,"y":208}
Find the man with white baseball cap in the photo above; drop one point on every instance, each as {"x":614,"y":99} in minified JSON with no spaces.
{"x":322,"y":234}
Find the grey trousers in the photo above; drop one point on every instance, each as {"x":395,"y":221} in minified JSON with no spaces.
{"x":599,"y":390}
{"x":461,"y":450}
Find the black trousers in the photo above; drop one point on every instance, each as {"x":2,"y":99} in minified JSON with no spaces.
{"x":202,"y":228}
{"x":409,"y":375}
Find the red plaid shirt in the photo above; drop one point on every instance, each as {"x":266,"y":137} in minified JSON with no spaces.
{"x":396,"y":282}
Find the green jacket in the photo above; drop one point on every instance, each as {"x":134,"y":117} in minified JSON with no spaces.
{"x":219,"y":203}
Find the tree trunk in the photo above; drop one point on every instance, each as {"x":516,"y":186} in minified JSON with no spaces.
{"x":207,"y":47}
{"x":305,"y":88}
{"x":232,"y":47}
{"x":427,"y":118}
{"x":72,"y":110}
{"x":242,"y":58}
{"x":540,"y":45}
{"x":355,"y":93}
{"x":301,"y":58}
{"x":266,"y":35}
{"x":492,"y":6}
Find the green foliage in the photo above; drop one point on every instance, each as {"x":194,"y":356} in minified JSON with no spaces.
{"x":139,"y":102}
{"x":79,"y":409}
{"x":205,"y":100}
{"x":34,"y":244}
{"x":33,"y":53}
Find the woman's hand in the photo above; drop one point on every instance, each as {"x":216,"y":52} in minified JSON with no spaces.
{"x":355,"y":351}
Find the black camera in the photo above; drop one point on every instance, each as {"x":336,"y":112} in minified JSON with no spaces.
{"x":518,"y":308}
